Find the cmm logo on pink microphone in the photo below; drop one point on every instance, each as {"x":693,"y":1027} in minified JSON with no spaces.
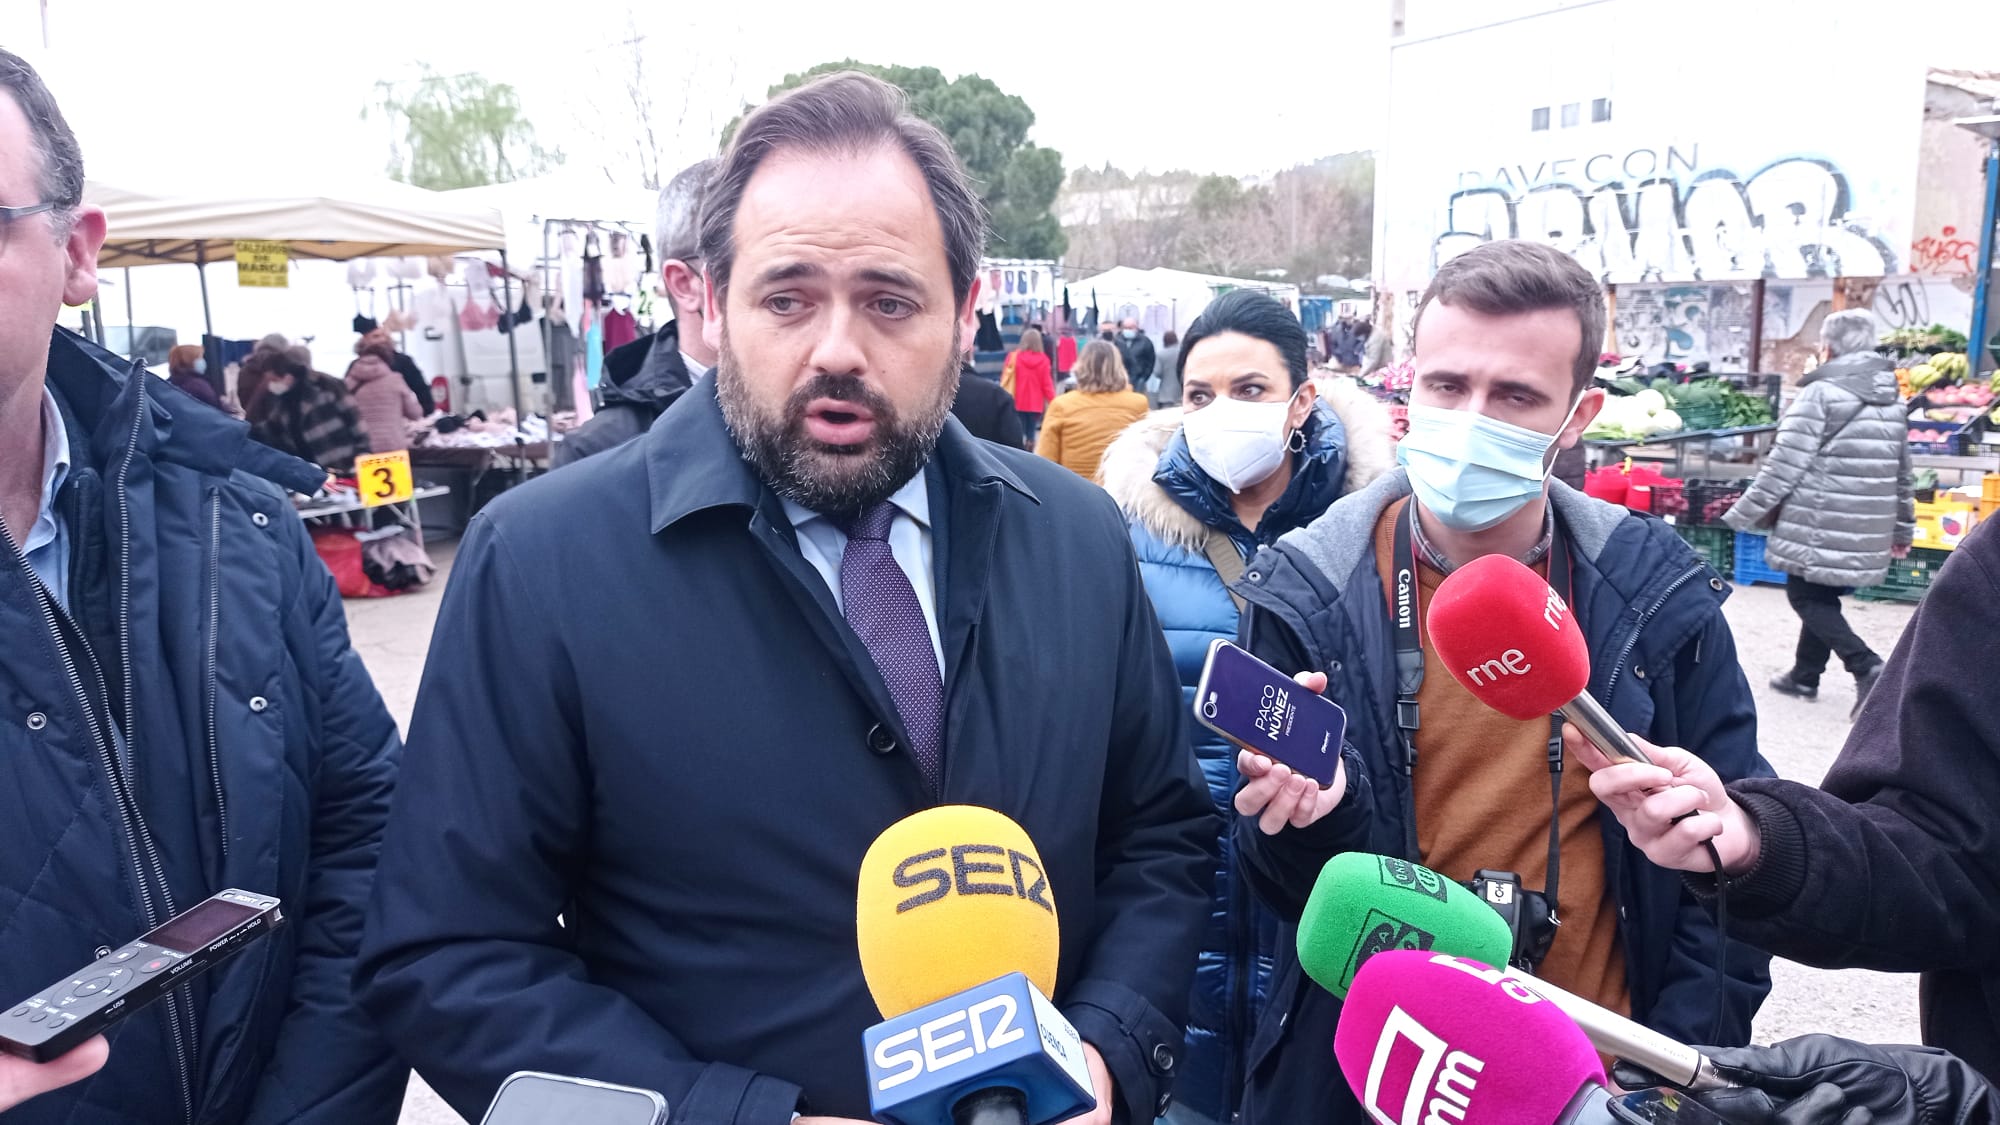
{"x":1416,"y":1078}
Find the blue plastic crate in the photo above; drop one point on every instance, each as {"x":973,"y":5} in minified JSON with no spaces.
{"x":1750,"y":566}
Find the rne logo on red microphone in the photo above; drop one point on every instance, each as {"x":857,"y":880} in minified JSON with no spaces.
{"x":1513,"y":662}
{"x":1435,"y":1087}
{"x":1554,"y":610}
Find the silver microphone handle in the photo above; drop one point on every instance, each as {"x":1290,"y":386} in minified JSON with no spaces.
{"x":1678,"y":1063}
{"x":1602,"y":730}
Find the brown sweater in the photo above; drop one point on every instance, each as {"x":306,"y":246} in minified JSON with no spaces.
{"x":1482,"y":797}
{"x":1079,"y":426}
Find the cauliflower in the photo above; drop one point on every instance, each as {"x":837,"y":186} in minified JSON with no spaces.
{"x":1653,"y":401}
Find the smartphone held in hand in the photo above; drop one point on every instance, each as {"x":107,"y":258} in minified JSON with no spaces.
{"x":1266,"y":712}
{"x":531,"y":1098}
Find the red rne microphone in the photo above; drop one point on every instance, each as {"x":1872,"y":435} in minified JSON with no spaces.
{"x":1428,"y":1037}
{"x":1503,"y":632}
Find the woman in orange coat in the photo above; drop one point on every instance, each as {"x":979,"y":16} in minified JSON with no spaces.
{"x":1034,"y":384}
{"x":1082,"y":422}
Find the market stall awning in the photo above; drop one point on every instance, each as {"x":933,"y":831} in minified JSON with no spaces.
{"x":383,"y":219}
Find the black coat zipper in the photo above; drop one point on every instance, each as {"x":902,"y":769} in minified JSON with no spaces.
{"x":1632,"y":641}
{"x":214,"y":641}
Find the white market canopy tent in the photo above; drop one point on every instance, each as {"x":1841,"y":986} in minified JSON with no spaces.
{"x":380,"y":219}
{"x":1165,"y":298}
{"x":198,"y":226}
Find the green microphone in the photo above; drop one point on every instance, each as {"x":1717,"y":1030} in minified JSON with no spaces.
{"x":1363,"y":904}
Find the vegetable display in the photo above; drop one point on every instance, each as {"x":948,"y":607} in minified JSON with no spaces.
{"x":1663,"y":408}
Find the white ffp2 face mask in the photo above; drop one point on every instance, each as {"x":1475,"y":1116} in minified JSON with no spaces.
{"x":1238,"y":443}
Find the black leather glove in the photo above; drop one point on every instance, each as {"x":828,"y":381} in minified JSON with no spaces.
{"x":1821,"y":1078}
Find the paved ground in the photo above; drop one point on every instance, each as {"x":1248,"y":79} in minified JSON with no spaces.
{"x":1800,"y":739}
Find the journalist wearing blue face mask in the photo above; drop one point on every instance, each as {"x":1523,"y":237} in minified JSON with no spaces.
{"x":1506,"y":340}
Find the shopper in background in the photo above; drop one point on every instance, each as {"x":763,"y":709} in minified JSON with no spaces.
{"x":1167,"y":371}
{"x":265,"y":358}
{"x":1034,"y":384}
{"x":651,"y":373}
{"x":1080,"y":423}
{"x":1835,"y":492}
{"x":1066,"y":352}
{"x":985,"y":408}
{"x":1379,"y":351}
{"x":309,"y":414}
{"x":1137,"y":352}
{"x":384,"y":342}
{"x":187,"y":369}
{"x":1245,"y":357}
{"x":385,"y":403}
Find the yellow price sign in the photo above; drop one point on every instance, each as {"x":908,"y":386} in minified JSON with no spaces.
{"x":384,"y":478}
{"x":263,"y":265}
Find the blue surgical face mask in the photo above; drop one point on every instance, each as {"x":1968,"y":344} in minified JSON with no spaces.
{"x":1131,"y":333}
{"x":201,"y":365}
{"x":1473,"y":472}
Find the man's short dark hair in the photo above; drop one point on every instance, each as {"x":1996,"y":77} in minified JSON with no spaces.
{"x":61,"y":179}
{"x":845,"y":113}
{"x":1517,"y":276}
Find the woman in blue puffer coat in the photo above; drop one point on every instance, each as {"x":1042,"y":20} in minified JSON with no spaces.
{"x":1255,"y":450}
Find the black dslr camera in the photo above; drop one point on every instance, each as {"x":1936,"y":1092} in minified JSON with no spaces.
{"x":1527,"y":913}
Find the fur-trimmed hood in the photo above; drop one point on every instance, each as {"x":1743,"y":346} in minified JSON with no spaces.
{"x":1132,"y":462}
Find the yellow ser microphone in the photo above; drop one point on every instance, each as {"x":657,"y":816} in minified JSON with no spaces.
{"x":957,"y":928}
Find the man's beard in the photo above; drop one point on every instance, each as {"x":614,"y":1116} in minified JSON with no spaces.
{"x":832,"y":478}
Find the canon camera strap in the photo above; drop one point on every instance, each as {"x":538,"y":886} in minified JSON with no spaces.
{"x":1406,"y":621}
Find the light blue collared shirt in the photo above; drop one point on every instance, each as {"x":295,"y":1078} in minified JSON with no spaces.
{"x":823,"y":544}
{"x":47,"y":546}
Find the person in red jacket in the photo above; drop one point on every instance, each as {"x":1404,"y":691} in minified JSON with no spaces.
{"x":1066,"y":351}
{"x":1034,"y":385}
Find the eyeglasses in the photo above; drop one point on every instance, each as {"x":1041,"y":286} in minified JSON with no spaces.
{"x":11,"y":215}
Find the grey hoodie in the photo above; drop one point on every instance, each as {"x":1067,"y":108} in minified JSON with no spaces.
{"x":1835,"y":489}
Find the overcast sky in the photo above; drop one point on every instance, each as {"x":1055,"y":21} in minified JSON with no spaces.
{"x":167,"y":87}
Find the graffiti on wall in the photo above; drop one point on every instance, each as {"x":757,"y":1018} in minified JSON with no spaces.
{"x":1685,"y":325}
{"x":1793,"y":219}
{"x":1943,"y":253}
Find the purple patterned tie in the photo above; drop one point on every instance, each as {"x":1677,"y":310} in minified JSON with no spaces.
{"x":880,"y":604}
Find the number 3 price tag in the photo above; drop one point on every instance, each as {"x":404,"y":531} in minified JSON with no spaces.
{"x":384,"y":478}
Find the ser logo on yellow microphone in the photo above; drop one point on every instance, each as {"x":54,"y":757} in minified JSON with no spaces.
{"x":971,"y":869}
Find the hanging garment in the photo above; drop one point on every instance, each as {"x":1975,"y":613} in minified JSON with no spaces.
{"x":562,"y":365}
{"x":988,"y":339}
{"x":593,"y":352}
{"x":620,"y":329}
{"x":593,"y":269}
{"x":621,"y":269}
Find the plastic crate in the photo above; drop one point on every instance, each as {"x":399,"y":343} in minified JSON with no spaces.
{"x":1908,"y":579}
{"x":1989,"y":488}
{"x":1954,"y":442}
{"x":1750,"y":565}
{"x":1670,"y":501}
{"x":1715,"y":545}
{"x":1707,"y":500}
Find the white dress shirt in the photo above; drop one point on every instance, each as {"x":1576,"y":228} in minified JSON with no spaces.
{"x":46,"y":547}
{"x":823,"y":544}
